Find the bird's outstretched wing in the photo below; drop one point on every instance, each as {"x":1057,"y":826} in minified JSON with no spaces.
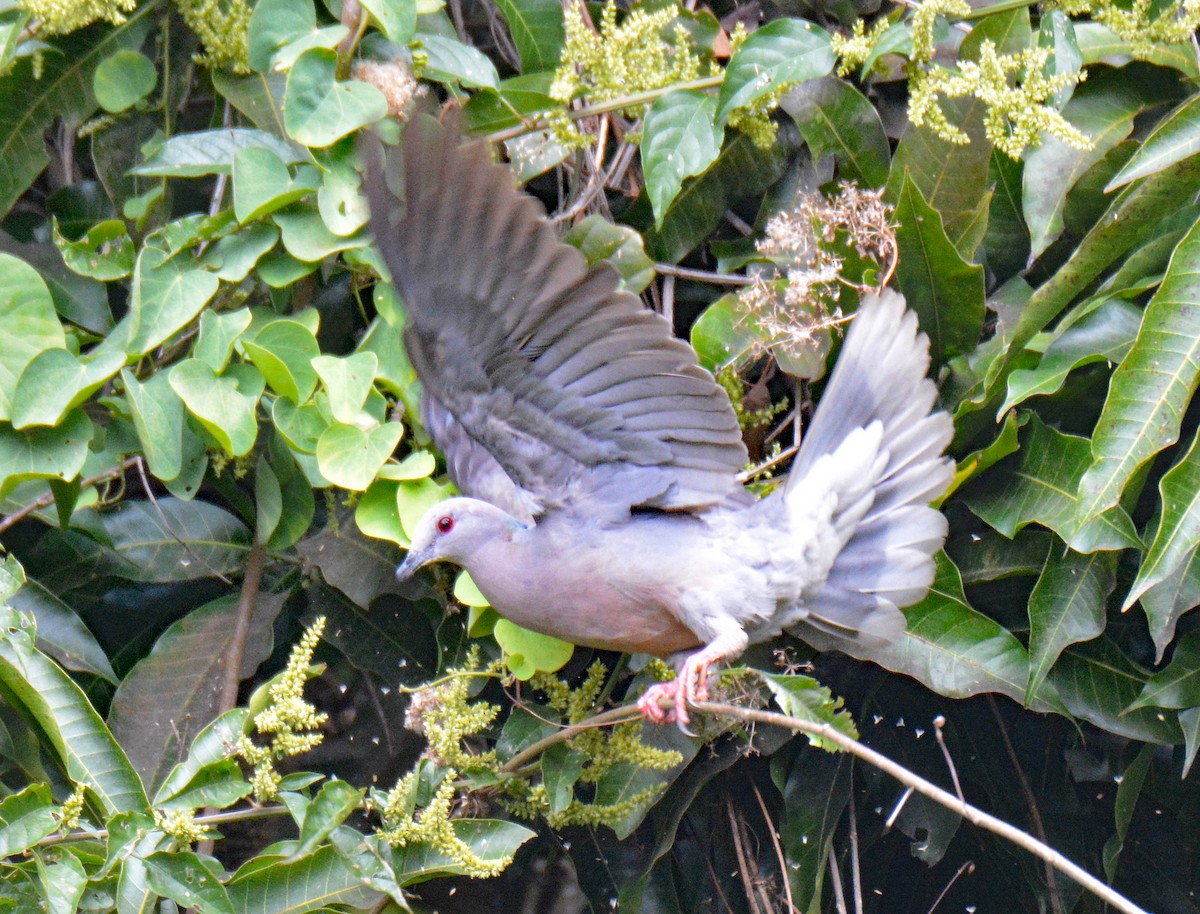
{"x":546,"y":385}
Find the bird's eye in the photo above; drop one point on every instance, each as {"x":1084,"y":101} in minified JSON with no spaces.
{"x":445,"y":524}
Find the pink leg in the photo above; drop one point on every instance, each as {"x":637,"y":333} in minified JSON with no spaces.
{"x":690,"y":686}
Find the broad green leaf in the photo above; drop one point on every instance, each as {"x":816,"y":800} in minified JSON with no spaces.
{"x":105,"y":252}
{"x":376,"y":513}
{"x":263,"y":184}
{"x":1150,"y":388}
{"x":1067,"y":606}
{"x":536,"y":27}
{"x":69,"y":724}
{"x":518,"y":97}
{"x":30,"y":324}
{"x":985,"y":458}
{"x":1129,"y":789}
{"x":218,"y":332}
{"x":1104,"y":108}
{"x":311,"y":883}
{"x":211,"y":152}
{"x":63,"y":882}
{"x":167,"y":295}
{"x":123,"y":79}
{"x":350,"y":457}
{"x":1056,"y":31}
{"x":60,"y":90}
{"x":680,"y":138}
{"x":416,"y":465}
{"x":44,"y":453}
{"x":1176,"y":137}
{"x":725,"y":335}
{"x":1005,"y":246}
{"x":234,"y":256}
{"x":347,"y":380}
{"x":225,"y":405}
{"x":340,"y":199}
{"x":950,"y":647}
{"x":1104,"y":335}
{"x":26,"y":817}
{"x":173,"y":541}
{"x":1169,"y":599}
{"x":184,"y":878}
{"x":468,"y":593}
{"x":318,"y":109}
{"x":452,"y":62}
{"x":82,"y":301}
{"x":284,"y":351}
{"x":528,"y":652}
{"x":1097,"y":683}
{"x":946,"y":292}
{"x":838,"y":120}
{"x":414,"y":498}
{"x":599,"y":239}
{"x":297,"y":502}
{"x":804,"y":698}
{"x":332,"y":805}
{"x":397,"y":18}
{"x":1177,"y":685}
{"x":1098,"y":44}
{"x":208,"y":750}
{"x":308,"y":238}
{"x":55,"y":381}
{"x":561,"y":768}
{"x":174,"y":691}
{"x":1178,"y":531}
{"x":157,"y":414}
{"x":781,"y":52}
{"x":490,"y":839}
{"x":300,"y":426}
{"x":273,"y":24}
{"x":61,"y":633}
{"x":1038,"y":486}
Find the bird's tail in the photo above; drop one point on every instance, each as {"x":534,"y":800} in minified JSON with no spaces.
{"x":870,"y":463}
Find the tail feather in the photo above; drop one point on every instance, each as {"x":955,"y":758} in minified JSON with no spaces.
{"x":885,"y":560}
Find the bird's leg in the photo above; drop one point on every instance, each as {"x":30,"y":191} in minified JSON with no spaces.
{"x":691,"y":682}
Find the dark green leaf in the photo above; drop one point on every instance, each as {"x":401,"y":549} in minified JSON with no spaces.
{"x":308,"y":884}
{"x":680,"y":138}
{"x":173,"y":540}
{"x":26,"y":817}
{"x":1129,"y":789}
{"x":836,"y":119}
{"x":185,"y":879}
{"x":1178,"y":684}
{"x":211,"y":152}
{"x":782,"y":52}
{"x":61,"y":633}
{"x":1166,"y":601}
{"x":536,"y":27}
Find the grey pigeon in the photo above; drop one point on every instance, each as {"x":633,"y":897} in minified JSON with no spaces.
{"x":598,"y":460}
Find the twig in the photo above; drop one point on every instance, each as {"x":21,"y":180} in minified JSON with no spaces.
{"x":767,"y":464}
{"x":926,"y":788}
{"x":231,"y":672}
{"x":713,"y":279}
{"x":939,"y":724}
{"x":615,"y":716}
{"x":783,"y":870}
{"x":743,"y":862}
{"x":900,"y":803}
{"x":968,"y":868}
{"x":667,"y":308}
{"x":44,"y":501}
{"x":166,"y":524}
{"x":855,"y":863}
{"x":216,"y":818}
{"x":835,"y":874}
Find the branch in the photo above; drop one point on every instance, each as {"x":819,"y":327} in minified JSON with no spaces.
{"x":46,"y":500}
{"x":926,"y":788}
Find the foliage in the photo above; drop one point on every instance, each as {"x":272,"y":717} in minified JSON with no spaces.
{"x":210,"y":438}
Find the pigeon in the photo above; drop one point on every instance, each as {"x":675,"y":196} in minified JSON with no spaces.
{"x":598,"y":461}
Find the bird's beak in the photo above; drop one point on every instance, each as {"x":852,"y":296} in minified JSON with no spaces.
{"x":412,"y":564}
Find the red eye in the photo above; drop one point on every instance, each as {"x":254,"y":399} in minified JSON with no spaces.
{"x":445,"y":524}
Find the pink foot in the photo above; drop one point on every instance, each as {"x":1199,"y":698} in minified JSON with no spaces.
{"x":689,"y":687}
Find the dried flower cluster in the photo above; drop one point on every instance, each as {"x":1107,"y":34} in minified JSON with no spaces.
{"x":394,"y":78}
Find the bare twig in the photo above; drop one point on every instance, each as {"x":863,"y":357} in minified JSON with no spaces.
{"x":835,"y":875}
{"x":743,"y":862}
{"x":968,"y":868}
{"x":939,"y":724}
{"x":713,"y":279}
{"x":783,"y":870}
{"x":45,"y":501}
{"x":231,"y":671}
{"x":855,"y":863}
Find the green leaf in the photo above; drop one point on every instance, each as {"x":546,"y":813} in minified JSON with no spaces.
{"x":172,"y":540}
{"x":311,"y":883}
{"x":60,"y":90}
{"x":561,"y":768}
{"x":536,"y":27}
{"x":1038,"y":487}
{"x":1169,"y":599}
{"x":347,"y":380}
{"x":68,"y":723}
{"x":680,"y":138}
{"x":946,"y":292}
{"x":225,"y":405}
{"x":452,"y":62}
{"x":414,"y":498}
{"x":26,"y":817}
{"x":184,"y":878}
{"x":284,"y":351}
{"x":218,"y":333}
{"x":61,"y":633}
{"x":979,"y":461}
{"x":837,"y":120}
{"x":723,"y":335}
{"x":1098,"y":44}
{"x":1150,"y":388}
{"x":105,"y":252}
{"x":1178,"y":531}
{"x":599,"y":240}
{"x":518,"y":97}
{"x":528,"y":652}
{"x":209,"y":750}
{"x":1104,"y":335}
{"x":1067,"y":606}
{"x":63,"y":883}
{"x":1104,"y":108}
{"x":167,"y":295}
{"x":781,"y":52}
{"x":174,"y":691}
{"x":1174,"y":138}
{"x":234,"y":256}
{"x":263,"y":184}
{"x":1178,"y":684}
{"x":318,"y":110}
{"x":211,"y":152}
{"x":416,"y":465}
{"x":397,"y":18}
{"x":308,"y":238}
{"x":300,"y":426}
{"x":44,"y":453}
{"x":804,"y":698}
{"x":56,"y":381}
{"x":468,"y":593}
{"x":350,"y":457}
{"x":1056,"y":31}
{"x":273,"y":24}
{"x":332,"y":805}
{"x":297,"y":503}
{"x":1129,"y":788}
{"x":157,"y":414}
{"x":123,"y":79}
{"x":30,"y":324}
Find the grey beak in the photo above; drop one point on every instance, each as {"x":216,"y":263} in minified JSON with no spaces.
{"x":411,"y":565}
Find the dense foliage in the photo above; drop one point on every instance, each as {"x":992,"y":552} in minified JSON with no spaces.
{"x":210,"y":452}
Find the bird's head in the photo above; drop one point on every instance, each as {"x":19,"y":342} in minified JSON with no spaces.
{"x":453,"y":531}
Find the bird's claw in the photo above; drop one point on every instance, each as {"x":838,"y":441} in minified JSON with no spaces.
{"x":689,"y":687}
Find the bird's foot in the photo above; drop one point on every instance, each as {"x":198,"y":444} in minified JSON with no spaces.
{"x":688,"y":687}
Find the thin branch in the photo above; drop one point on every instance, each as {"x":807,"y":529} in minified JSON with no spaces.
{"x":216,"y":818}
{"x":615,"y":716}
{"x":783,"y":870}
{"x":835,"y":875}
{"x":45,"y":501}
{"x":968,"y":868}
{"x":783,"y":455}
{"x":713,"y":279}
{"x":928,"y":789}
{"x":231,"y":671}
{"x":939,"y":724}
